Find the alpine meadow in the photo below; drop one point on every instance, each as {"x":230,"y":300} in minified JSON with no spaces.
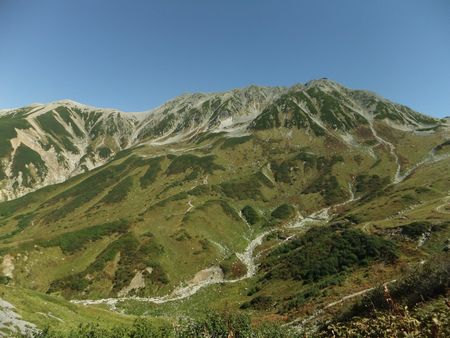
{"x":224,"y":169}
{"x":279,"y":209}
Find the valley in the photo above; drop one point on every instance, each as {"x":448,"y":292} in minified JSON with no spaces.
{"x":288,"y":205}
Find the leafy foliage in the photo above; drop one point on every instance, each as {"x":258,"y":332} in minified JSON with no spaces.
{"x":135,"y":256}
{"x":250,"y":215}
{"x":370,"y":185}
{"x":154,"y":167}
{"x":8,"y":126}
{"x":415,"y":229}
{"x":232,"y":142}
{"x":426,"y":281}
{"x":242,"y":189}
{"x":119,"y":192}
{"x":184,"y":162}
{"x":88,"y":189}
{"x":23,"y":158}
{"x":387,"y":309}
{"x":76,"y":240}
{"x":232,"y":267}
{"x":329,"y":188}
{"x":211,"y":324}
{"x":326,"y":251}
{"x":283,"y":211}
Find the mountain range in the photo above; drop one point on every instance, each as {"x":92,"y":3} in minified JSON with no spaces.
{"x":285,"y":201}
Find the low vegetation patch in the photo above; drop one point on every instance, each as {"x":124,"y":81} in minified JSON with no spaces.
{"x":326,"y":251}
{"x":232,"y":142}
{"x":232,"y":267}
{"x":77,"y":240}
{"x":210,"y":324}
{"x":251,"y":215}
{"x":23,"y":159}
{"x":413,"y":306}
{"x":283,"y":212}
{"x":184,"y":162}
{"x":119,"y":192}
{"x":154,"y":167}
{"x":242,"y":190}
{"x":329,"y":189}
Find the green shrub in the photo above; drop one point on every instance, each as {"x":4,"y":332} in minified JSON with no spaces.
{"x":426,"y":281}
{"x":233,"y":267}
{"x":326,"y":251}
{"x":258,"y":303}
{"x":76,"y":240}
{"x":329,"y":189}
{"x":188,"y":161}
{"x":250,"y":215}
{"x":415,"y":230}
{"x":370,"y":185}
{"x":119,"y":192}
{"x":232,"y":142}
{"x":8,"y":126}
{"x":104,"y":152}
{"x":226,"y":207}
{"x":89,"y":188}
{"x":154,"y":167}
{"x":242,"y":190}
{"x":283,"y":212}
{"x":200,"y":190}
{"x":211,"y":324}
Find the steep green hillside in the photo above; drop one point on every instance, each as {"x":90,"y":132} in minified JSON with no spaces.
{"x":317,"y":197}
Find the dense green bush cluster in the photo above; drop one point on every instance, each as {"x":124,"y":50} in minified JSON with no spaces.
{"x":89,"y":188}
{"x":8,"y":126}
{"x":425,"y":282}
{"x":333,"y":112}
{"x":242,"y":190}
{"x":119,"y":192}
{"x":184,"y":162}
{"x":250,"y":215}
{"x":154,"y":167}
{"x":65,"y":114}
{"x":295,"y":117}
{"x":320,"y":163}
{"x":135,"y":256}
{"x":8,"y":208}
{"x":213,"y":324}
{"x":329,"y":188}
{"x":284,"y":211}
{"x":104,"y":152}
{"x":415,"y":229}
{"x":283,"y":170}
{"x":50,"y":124}
{"x":199,"y":190}
{"x":72,"y":241}
{"x":24,"y":221}
{"x":370,"y":185}
{"x":412,"y":307}
{"x":23,"y":157}
{"x":326,"y":251}
{"x":233,"y":267}
{"x":231,"y":142}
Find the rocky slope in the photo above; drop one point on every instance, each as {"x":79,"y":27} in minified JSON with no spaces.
{"x":46,"y":144}
{"x":281,"y":200}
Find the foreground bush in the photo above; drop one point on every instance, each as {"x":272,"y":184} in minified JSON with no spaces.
{"x":385,"y":312}
{"x":217,"y":325}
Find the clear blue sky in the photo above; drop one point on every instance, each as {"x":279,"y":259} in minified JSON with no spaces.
{"x":135,"y":55}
